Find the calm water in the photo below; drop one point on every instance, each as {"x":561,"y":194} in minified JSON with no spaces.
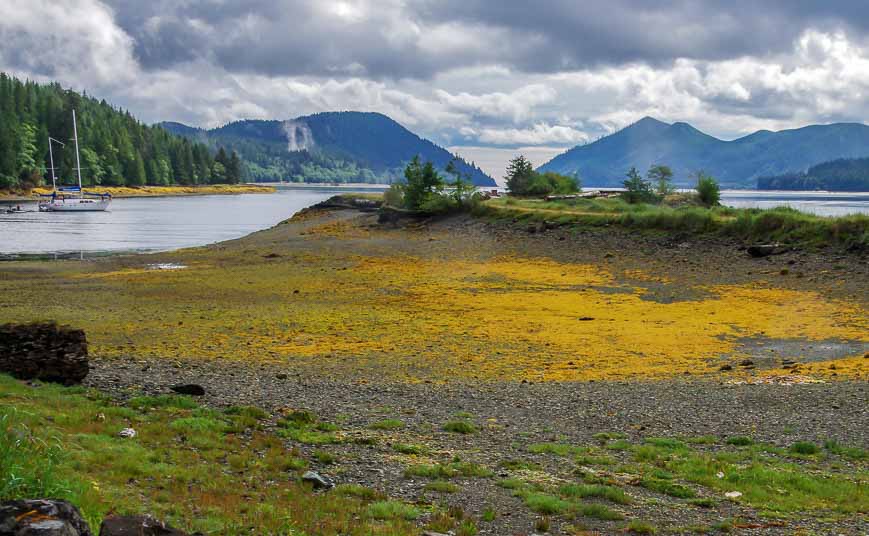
{"x":820,"y":203}
{"x":163,"y":223}
{"x":151,"y":224}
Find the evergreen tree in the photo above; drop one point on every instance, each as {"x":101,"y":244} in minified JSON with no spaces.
{"x":115,"y":148}
{"x":638,"y":190}
{"x":662,"y":178}
{"x":520,"y":173}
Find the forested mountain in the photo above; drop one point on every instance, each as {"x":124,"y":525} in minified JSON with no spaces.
{"x":738,"y":163}
{"x":115,"y":148}
{"x":327,"y":147}
{"x":845,"y":174}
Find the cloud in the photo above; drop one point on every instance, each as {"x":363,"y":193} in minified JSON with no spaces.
{"x":538,"y":134}
{"x":457,"y":72}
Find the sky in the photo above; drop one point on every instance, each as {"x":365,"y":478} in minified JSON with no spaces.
{"x":488,"y":79}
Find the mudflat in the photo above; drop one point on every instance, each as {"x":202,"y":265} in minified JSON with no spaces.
{"x":564,"y":379}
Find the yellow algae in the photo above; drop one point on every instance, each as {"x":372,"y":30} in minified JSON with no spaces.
{"x":427,"y":318}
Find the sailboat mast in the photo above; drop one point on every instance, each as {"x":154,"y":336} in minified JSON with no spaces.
{"x":77,"y":161}
{"x":51,"y":158}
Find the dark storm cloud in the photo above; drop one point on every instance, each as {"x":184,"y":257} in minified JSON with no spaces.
{"x":388,"y":39}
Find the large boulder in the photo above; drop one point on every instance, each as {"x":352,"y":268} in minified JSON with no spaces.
{"x":137,"y":526}
{"x":41,"y":517}
{"x":44,"y":351}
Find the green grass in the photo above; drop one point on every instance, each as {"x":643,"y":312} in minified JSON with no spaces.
{"x":460,"y":427}
{"x":805,"y":447}
{"x":637,"y":526}
{"x":450,"y":470}
{"x":543,"y":503}
{"x":64,"y":443}
{"x":392,"y":510}
{"x":324,"y":457}
{"x":581,"y":491}
{"x":406,"y":448}
{"x":781,"y":224}
{"x":557,"y":449}
{"x":386,"y":424}
{"x":740,"y":441}
{"x":442,"y":486}
{"x":852,"y":453}
{"x":598,"y":511}
{"x":667,"y":488}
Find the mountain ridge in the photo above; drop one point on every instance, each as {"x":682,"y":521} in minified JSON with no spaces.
{"x":736,"y":163}
{"x":338,"y":146}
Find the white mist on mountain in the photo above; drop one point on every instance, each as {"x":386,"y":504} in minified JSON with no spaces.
{"x":299,"y":136}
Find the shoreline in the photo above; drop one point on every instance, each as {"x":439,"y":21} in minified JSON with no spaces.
{"x":121,"y":192}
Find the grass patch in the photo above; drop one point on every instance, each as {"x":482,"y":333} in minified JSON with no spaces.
{"x":386,"y":424}
{"x":557,"y":449}
{"x":853,"y":453}
{"x":543,"y":503}
{"x":667,"y":488}
{"x":392,"y":510}
{"x":324,"y":457}
{"x":460,"y":427}
{"x":406,"y":448}
{"x":582,"y":491}
{"x":441,"y":486}
{"x":598,"y":511}
{"x":740,"y":441}
{"x":519,"y":465}
{"x":603,"y":437}
{"x":511,"y":483}
{"x":805,"y":447}
{"x":637,"y":526}
{"x":162,"y":401}
{"x":450,"y":470}
{"x":357,"y":491}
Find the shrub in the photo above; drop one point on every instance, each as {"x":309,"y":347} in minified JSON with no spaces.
{"x":394,"y":196}
{"x":637,"y":189}
{"x":640,"y":527}
{"x":708,"y":189}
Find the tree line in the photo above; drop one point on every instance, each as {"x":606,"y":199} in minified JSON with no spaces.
{"x":846,"y":174}
{"x":523,"y":180}
{"x":115,"y":148}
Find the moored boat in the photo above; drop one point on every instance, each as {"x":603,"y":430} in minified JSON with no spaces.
{"x":84,"y":201}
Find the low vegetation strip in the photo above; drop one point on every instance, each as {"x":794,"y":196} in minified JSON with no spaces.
{"x":784,"y":225}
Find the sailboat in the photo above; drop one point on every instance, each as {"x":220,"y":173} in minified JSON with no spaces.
{"x":83,"y":201}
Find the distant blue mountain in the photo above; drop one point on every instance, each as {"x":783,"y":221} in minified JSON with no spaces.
{"x":736,"y":164}
{"x":327,"y":147}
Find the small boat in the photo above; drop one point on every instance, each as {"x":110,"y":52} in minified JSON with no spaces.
{"x":58,"y":201}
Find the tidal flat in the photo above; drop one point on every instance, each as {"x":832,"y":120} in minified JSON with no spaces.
{"x":484,"y":378}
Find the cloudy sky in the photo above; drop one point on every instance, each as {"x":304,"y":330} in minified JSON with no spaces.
{"x":489,"y":78}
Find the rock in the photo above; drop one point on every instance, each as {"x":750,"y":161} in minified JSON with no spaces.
{"x":191,"y":389}
{"x":319,"y":481}
{"x":127,"y":433}
{"x":281,"y":376}
{"x":726,"y":367}
{"x":44,"y":351}
{"x":586,"y":318}
{"x":41,"y":517}
{"x":762,"y":250}
{"x":137,"y":526}
{"x":431,"y":533}
{"x":746,"y":363}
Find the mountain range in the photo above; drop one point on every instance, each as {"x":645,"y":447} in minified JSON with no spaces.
{"x":736,"y":164}
{"x":327,"y":147}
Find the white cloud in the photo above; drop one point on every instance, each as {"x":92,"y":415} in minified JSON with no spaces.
{"x":538,"y":134}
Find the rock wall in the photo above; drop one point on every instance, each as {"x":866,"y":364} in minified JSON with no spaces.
{"x":44,"y":351}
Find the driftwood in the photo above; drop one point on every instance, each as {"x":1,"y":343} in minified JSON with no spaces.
{"x":44,"y":351}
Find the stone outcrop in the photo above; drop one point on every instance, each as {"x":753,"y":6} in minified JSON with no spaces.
{"x":44,"y":351}
{"x":41,"y":517}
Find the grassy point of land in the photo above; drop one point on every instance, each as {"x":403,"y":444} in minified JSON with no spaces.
{"x":782,"y":224}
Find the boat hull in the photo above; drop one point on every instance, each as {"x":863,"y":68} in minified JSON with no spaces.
{"x":76,"y":205}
